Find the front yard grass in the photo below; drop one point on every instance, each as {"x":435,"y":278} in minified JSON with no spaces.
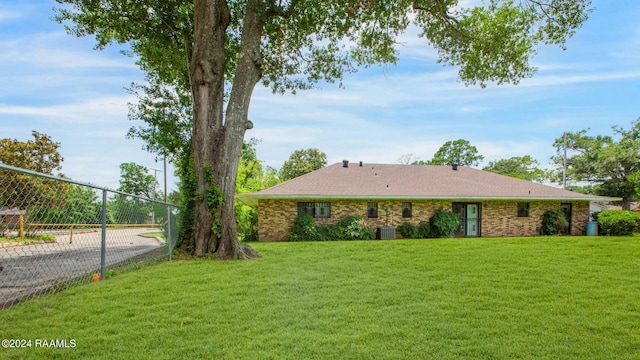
{"x":515,"y":298}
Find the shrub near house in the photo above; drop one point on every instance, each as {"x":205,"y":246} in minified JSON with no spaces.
{"x":441,"y":225}
{"x":348,"y":228}
{"x":553,"y":223}
{"x":618,"y":222}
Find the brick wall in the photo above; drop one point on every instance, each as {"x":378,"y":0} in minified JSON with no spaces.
{"x":275,"y":218}
{"x":498,"y":218}
{"x":580,"y":213}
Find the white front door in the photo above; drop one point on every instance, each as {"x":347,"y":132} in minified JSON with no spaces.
{"x":472,"y":219}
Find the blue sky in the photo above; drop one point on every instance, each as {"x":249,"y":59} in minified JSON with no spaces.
{"x":57,"y":84}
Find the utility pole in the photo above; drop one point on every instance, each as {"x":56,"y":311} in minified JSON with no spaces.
{"x":564,"y":161}
{"x":155,"y":172}
{"x":165,"y":176}
{"x":155,"y":176}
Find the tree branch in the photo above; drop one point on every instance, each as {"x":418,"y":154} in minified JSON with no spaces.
{"x":278,"y":10}
{"x":442,"y":12}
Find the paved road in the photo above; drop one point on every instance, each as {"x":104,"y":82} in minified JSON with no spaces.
{"x":33,"y":269}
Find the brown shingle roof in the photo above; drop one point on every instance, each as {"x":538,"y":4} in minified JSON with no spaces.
{"x":379,"y":181}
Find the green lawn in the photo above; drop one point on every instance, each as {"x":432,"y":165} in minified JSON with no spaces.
{"x":525,"y":298}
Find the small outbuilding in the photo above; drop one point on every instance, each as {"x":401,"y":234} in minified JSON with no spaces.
{"x":10,"y":217}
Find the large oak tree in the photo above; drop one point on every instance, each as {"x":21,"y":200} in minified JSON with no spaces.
{"x":220,"y":49}
{"x":611,"y":164}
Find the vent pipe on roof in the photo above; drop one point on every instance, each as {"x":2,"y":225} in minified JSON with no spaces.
{"x":345,"y":163}
{"x":360,"y":163}
{"x":454,"y":167}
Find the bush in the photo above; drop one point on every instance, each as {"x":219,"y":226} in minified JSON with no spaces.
{"x":355,"y":228}
{"x":329,"y":232}
{"x":348,"y":228}
{"x":618,"y":222}
{"x":247,"y":222}
{"x":553,"y":223}
{"x":304,"y":229}
{"x":425,"y":230}
{"x":408,"y":230}
{"x":444,"y":223}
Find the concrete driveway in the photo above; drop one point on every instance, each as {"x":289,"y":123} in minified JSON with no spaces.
{"x":33,"y":269}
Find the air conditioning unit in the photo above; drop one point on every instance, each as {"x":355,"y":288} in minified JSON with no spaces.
{"x":386,"y":233}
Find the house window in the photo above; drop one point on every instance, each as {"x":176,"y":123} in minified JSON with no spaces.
{"x":315,"y":209}
{"x":523,"y":209}
{"x":406,"y":210}
{"x":372,"y":210}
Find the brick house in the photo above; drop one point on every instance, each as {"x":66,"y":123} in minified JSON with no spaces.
{"x":489,"y":204}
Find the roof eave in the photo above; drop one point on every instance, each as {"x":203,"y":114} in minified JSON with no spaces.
{"x":252,"y":199}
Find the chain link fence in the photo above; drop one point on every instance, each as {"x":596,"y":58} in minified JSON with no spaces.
{"x":57,"y":233}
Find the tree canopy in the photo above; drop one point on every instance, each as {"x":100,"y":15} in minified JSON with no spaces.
{"x":520,"y":167}
{"x":459,"y":152}
{"x":218,"y":50}
{"x":252,"y":176}
{"x":301,"y":162}
{"x":136,"y":180}
{"x":304,"y":42}
{"x":40,"y":155}
{"x":602,"y":160}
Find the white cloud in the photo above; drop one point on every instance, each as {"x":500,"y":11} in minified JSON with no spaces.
{"x":103,"y":110}
{"x":550,"y":80}
{"x":58,"y":50}
{"x":493,"y":151}
{"x":6,"y":15}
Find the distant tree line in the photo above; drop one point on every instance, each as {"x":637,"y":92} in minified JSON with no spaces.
{"x":607,"y":165}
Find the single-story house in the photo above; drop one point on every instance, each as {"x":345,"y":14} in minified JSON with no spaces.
{"x":388,"y":195}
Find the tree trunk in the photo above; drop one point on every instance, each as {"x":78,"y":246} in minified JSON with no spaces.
{"x":217,"y":142}
{"x":211,"y":18}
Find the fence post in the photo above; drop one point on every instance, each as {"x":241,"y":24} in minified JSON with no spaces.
{"x":169,"y":230}
{"x":103,"y":262}
{"x":21,"y":231}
